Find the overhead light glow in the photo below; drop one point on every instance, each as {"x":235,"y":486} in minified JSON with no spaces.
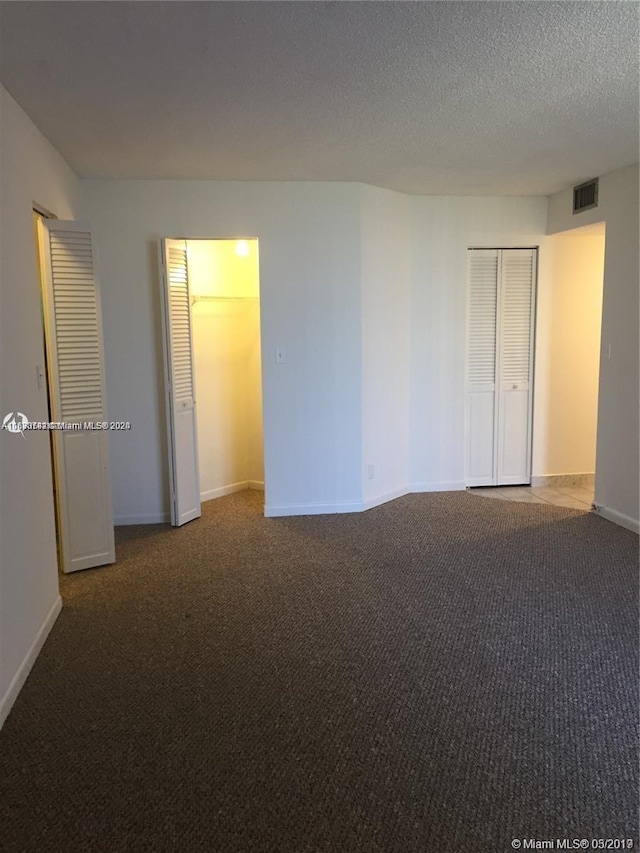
{"x":242,"y":248}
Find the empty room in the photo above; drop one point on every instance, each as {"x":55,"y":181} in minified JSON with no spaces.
{"x":320,"y":426}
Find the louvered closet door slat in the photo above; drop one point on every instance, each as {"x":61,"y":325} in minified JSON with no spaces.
{"x":515,"y":365}
{"x":181,"y":405}
{"x":481,"y":351}
{"x":481,"y":366}
{"x":517,"y":283}
{"x":76,"y":391}
{"x":180,"y":311}
{"x":76,"y":326}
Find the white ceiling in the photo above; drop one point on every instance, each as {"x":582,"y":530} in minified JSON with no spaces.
{"x":455,"y":98}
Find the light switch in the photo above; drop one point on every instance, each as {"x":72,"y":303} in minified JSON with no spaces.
{"x":280,"y":355}
{"x":40,"y":376}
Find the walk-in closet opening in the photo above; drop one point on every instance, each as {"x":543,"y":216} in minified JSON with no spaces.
{"x":224,"y":288}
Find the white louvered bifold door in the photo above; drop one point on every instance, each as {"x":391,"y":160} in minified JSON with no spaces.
{"x":499,"y":365}
{"x":75,"y":363}
{"x":515,"y":366}
{"x":181,"y":405}
{"x":481,"y":367}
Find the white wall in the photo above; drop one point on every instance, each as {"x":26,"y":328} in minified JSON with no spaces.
{"x":569,"y":314}
{"x":226,"y":354}
{"x":373,"y":367}
{"x":310,"y":305}
{"x":618,"y":397}
{"x":385,"y":305}
{"x":225,"y":336}
{"x":30,"y":171}
{"x":443,"y":229}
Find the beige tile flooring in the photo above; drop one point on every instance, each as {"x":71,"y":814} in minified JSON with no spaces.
{"x":574,"y":497}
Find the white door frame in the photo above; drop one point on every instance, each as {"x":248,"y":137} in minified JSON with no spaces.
{"x":173,"y":474}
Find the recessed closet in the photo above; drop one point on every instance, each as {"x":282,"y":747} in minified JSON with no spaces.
{"x":499,"y":366}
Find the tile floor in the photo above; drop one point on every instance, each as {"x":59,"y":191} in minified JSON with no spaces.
{"x":574,"y":497}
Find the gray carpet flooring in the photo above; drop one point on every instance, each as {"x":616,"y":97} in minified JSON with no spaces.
{"x":443,"y":673}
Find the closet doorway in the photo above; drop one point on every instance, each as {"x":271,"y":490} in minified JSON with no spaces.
{"x":211,"y":300}
{"x":499,"y":366}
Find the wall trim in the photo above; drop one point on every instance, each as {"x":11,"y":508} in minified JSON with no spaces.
{"x":257,"y":485}
{"x":18,"y":680}
{"x":277,"y":511}
{"x":445,"y":486}
{"x":617,"y":517}
{"x":384,"y":498}
{"x":148,"y":518}
{"x":587,"y":479}
{"x":221,"y":491}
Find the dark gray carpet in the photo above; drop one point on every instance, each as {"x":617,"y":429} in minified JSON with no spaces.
{"x":443,"y":673}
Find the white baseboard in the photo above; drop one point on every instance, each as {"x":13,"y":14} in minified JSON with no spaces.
{"x":617,"y":517}
{"x":24,"y":669}
{"x":221,"y":491}
{"x":278,"y":511}
{"x":384,"y":498}
{"x":149,"y":518}
{"x":165,"y":517}
{"x":586,"y":479}
{"x":445,"y":486}
{"x":360,"y":506}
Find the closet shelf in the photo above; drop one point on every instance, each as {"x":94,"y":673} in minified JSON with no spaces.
{"x":195,"y":299}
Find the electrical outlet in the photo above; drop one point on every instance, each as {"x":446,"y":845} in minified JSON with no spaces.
{"x":371,"y":471}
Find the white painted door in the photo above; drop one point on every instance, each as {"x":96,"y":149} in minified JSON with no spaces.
{"x":482,"y":306}
{"x":75,"y":364}
{"x":179,"y":382}
{"x":515,"y":366}
{"x":499,"y":365}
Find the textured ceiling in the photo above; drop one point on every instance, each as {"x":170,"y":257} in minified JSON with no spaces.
{"x":423,"y":97}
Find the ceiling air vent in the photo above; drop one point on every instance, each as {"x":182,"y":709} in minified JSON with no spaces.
{"x":585,"y":196}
